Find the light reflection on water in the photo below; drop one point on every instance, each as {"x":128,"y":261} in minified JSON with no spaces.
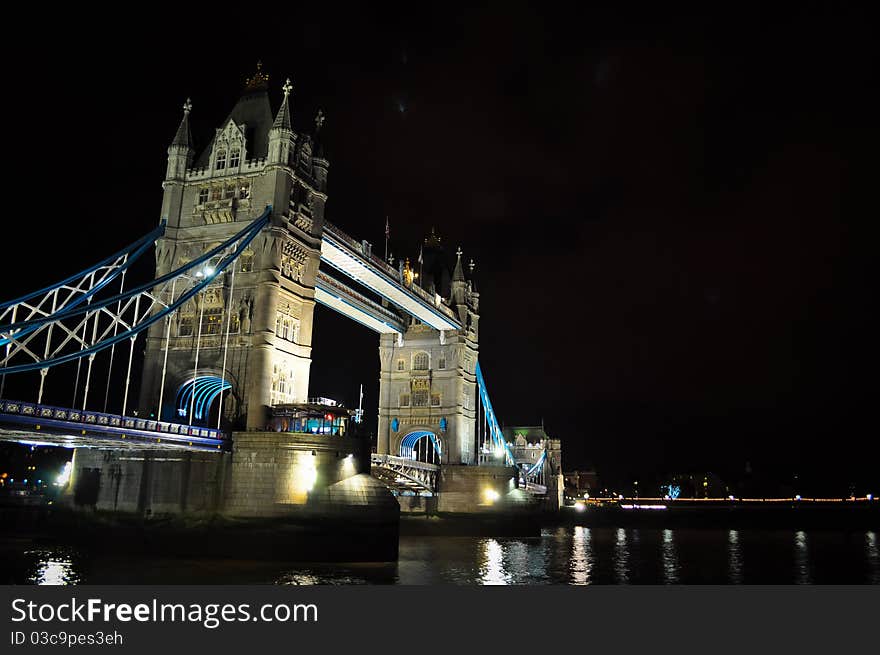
{"x":52,"y":569}
{"x":621,"y":557}
{"x":873,"y":556}
{"x":801,"y":558}
{"x":734,"y":558}
{"x":492,"y":571}
{"x":670,"y":559}
{"x":581,"y":556}
{"x":574,"y":555}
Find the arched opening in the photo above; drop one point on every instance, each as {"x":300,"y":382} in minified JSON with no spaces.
{"x":196,"y":397}
{"x":422,"y":446}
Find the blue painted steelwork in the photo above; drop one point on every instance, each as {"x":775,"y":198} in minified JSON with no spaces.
{"x":407,"y":445}
{"x":84,"y":422}
{"x":134,"y":250}
{"x":207,"y":388}
{"x":537,"y":465}
{"x":131,"y":253}
{"x":244,"y":237}
{"x":494,"y":428}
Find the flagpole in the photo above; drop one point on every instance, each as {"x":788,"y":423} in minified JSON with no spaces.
{"x":421,"y":263}
{"x":387,"y":234}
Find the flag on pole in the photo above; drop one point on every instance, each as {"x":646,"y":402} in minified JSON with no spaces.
{"x":387,"y":229}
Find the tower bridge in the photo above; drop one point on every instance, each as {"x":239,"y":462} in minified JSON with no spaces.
{"x":243,"y":252}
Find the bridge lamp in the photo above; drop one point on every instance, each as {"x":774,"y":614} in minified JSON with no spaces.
{"x":492,"y":495}
{"x":798,"y":497}
{"x":580,"y":507}
{"x":870,"y":496}
{"x":210,"y":270}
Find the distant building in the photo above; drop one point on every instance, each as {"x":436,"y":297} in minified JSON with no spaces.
{"x":580,"y":483}
{"x":529,"y":443}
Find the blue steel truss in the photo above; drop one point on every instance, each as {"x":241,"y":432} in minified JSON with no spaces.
{"x":494,"y":428}
{"x":117,"y":318}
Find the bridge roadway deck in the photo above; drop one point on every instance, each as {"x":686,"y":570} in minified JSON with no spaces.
{"x":349,"y":257}
{"x":47,"y":425}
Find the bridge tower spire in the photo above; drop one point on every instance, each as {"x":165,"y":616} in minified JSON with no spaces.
{"x":428,"y":384}
{"x":255,"y":159}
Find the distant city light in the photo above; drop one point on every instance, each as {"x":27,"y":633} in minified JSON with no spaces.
{"x":870,"y":496}
{"x":798,"y":497}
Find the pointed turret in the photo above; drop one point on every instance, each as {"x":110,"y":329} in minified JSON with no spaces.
{"x":180,"y":152}
{"x":458,"y":273}
{"x":281,"y":137}
{"x":319,"y":161}
{"x":282,"y":120}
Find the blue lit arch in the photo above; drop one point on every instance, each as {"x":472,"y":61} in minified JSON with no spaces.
{"x":408,"y":443}
{"x":199,"y":392}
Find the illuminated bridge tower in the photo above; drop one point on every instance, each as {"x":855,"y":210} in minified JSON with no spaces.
{"x":428,"y":388}
{"x":247,"y":338}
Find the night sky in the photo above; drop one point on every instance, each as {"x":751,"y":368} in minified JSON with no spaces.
{"x":663,"y":209}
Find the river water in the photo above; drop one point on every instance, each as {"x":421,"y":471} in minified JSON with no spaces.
{"x":567,"y":555}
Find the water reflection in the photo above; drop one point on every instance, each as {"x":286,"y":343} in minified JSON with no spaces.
{"x":801,"y":558}
{"x":492,"y":568}
{"x":621,"y":558}
{"x":53,"y":569}
{"x":581,"y":562}
{"x":734,"y":558}
{"x":670,"y":559}
{"x":873,"y":556}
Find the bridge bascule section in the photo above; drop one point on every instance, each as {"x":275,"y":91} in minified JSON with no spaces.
{"x":243,"y":253}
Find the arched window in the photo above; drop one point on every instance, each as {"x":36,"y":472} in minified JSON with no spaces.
{"x":234,"y":158}
{"x":420,"y":361}
{"x":400,"y":364}
{"x":220,"y":161}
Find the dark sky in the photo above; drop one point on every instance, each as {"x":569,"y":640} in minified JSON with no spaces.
{"x":662,"y":208}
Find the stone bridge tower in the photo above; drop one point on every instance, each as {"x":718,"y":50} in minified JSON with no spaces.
{"x":253,"y":161}
{"x":427,"y":381}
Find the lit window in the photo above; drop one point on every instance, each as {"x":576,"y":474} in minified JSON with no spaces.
{"x":220,"y":161}
{"x":203,"y":196}
{"x":212,"y":320}
{"x":234,"y":158}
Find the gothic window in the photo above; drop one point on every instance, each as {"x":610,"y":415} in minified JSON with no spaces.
{"x":441,"y":363}
{"x":420,"y":398}
{"x":216,"y":192}
{"x":203,"y":196}
{"x":420,"y":362}
{"x":435,"y":400}
{"x":282,"y":386}
{"x":404,"y":400}
{"x":186,"y":327}
{"x":400,"y":364}
{"x":228,"y":192}
{"x":212,"y":321}
{"x":234,"y":158}
{"x":220,"y":161}
{"x":247,"y":261}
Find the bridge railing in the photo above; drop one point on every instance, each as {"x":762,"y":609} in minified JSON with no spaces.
{"x":329,"y":281}
{"x":388,"y":270}
{"x":392,"y":460}
{"x":89,"y":418}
